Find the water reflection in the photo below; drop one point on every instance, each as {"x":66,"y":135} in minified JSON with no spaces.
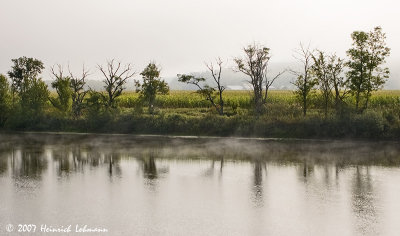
{"x":3,"y":162}
{"x":217,"y":164}
{"x":114,"y":168}
{"x":29,"y":162}
{"x":308,"y":169}
{"x":307,"y":185}
{"x":72,"y":155}
{"x":363,"y":201}
{"x":71,"y":159}
{"x":149,"y":167}
{"x":258,"y":168}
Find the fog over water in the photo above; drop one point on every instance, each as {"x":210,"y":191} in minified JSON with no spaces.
{"x":154,"y":185}
{"x":180,"y":35}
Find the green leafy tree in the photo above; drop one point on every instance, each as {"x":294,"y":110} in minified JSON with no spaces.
{"x":305,"y":82}
{"x":208,"y":92}
{"x":328,"y":70}
{"x":358,"y":64}
{"x":35,"y":96}
{"x":5,"y":100}
{"x":31,"y":90}
{"x":96,"y":103}
{"x":24,"y":69}
{"x":62,"y":84}
{"x":366,"y":58}
{"x":98,"y":114}
{"x":151,"y":86}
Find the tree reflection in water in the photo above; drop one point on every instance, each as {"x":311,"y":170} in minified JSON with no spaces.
{"x":209,"y":172}
{"x":363,"y":201}
{"x":148,"y":165}
{"x":318,"y":165}
{"x":28,"y":162}
{"x":259,"y":167}
{"x":3,"y":162}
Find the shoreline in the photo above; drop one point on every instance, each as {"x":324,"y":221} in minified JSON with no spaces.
{"x":199,"y":137}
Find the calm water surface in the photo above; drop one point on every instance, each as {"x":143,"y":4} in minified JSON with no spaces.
{"x":187,"y":186}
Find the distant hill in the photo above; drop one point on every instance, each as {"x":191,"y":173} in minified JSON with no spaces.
{"x":238,"y":81}
{"x":97,"y":85}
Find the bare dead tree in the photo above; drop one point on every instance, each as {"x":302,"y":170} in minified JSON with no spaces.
{"x":62,"y":85}
{"x":269,"y":82}
{"x":216,"y":75}
{"x":115,"y":79}
{"x":57,"y":73}
{"x":78,"y":91}
{"x":206,"y":90}
{"x":255,"y":65}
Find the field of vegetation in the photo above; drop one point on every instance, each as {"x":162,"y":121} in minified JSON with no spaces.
{"x":188,"y":113}
{"x":243,"y":99}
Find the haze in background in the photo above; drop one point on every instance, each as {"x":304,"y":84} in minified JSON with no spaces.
{"x":181,"y":34}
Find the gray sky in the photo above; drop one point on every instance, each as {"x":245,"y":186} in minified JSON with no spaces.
{"x":181,"y":34}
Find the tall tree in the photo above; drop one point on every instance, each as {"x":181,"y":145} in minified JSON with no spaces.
{"x":378,"y":51}
{"x":328,"y":70}
{"x":255,"y":65}
{"x":208,"y":92}
{"x":78,"y":91}
{"x":324,"y":80}
{"x":115,"y":79}
{"x":33,"y":92}
{"x":5,"y":100}
{"x":151,"y":86}
{"x":358,"y":64}
{"x":23,"y":70}
{"x":366,"y":57}
{"x":304,"y":82}
{"x":340,"y":84}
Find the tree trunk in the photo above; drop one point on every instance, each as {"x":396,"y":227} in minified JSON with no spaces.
{"x":221,"y":103}
{"x":326,"y":107}
{"x":357,"y":99}
{"x":337,"y":97}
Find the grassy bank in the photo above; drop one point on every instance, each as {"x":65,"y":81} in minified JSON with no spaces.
{"x":186,"y":113}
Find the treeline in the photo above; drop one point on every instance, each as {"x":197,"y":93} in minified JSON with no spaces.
{"x":343,"y":86}
{"x":26,"y":98}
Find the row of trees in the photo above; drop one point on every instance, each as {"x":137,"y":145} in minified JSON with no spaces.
{"x":334,"y":77}
{"x":28,"y":94}
{"x":319,"y":71}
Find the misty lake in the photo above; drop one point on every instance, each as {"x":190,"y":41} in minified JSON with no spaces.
{"x":153,"y":185}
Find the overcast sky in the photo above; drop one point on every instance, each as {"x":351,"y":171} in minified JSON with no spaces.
{"x":181,"y":34}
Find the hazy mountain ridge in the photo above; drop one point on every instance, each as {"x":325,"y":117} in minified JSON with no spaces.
{"x":236,"y":80}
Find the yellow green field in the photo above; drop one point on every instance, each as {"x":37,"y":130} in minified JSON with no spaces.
{"x":242,"y":99}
